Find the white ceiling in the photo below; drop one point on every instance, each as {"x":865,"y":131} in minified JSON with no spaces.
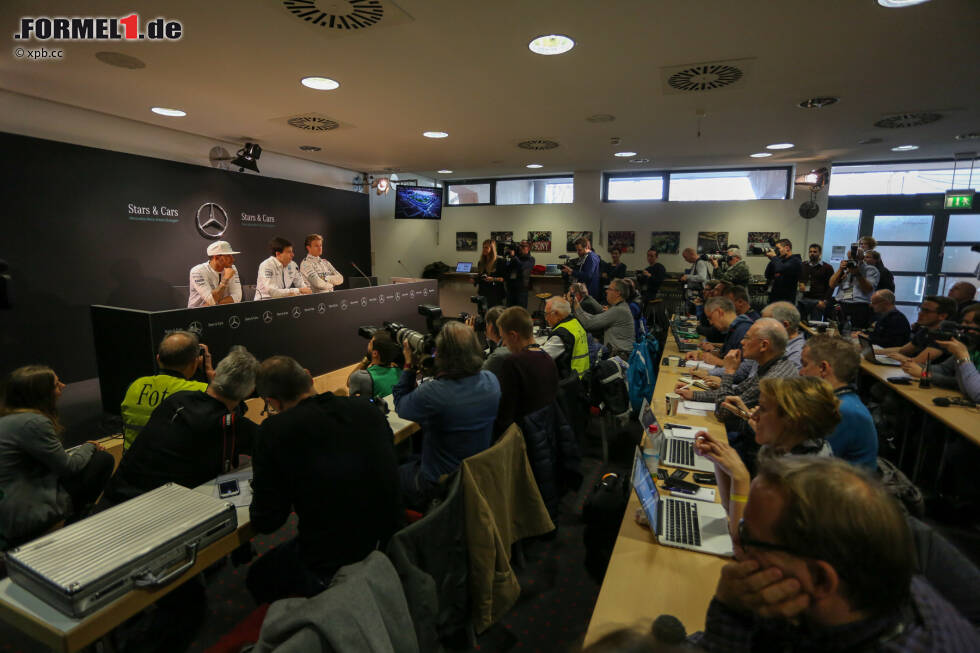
{"x":463,"y":66}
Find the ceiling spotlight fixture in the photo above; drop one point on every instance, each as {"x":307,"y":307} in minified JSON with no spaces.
{"x":818,"y":102}
{"x":779,"y":146}
{"x":381,"y":185}
{"x":639,"y":160}
{"x":173,"y":113}
{"x":247,"y":157}
{"x":445,"y":172}
{"x":815,"y":179}
{"x":310,"y":148}
{"x":320,"y":83}
{"x":898,"y":4}
{"x":534,"y":165}
{"x":905,"y":148}
{"x":760,"y":155}
{"x":624,"y":154}
{"x":435,"y":134}
{"x":551,"y":44}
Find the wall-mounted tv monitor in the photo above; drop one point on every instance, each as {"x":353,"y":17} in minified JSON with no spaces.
{"x":418,"y":203}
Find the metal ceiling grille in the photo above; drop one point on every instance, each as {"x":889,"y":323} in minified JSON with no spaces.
{"x":312,"y":122}
{"x":336,"y":14}
{"x":903,"y":120}
{"x":538,"y":144}
{"x":705,"y":77}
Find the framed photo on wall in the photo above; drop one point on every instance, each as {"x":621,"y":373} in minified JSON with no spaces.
{"x":465,"y":241}
{"x":624,"y":241}
{"x":665,"y":242}
{"x":712,"y":241}
{"x":572,"y":236}
{"x":540,"y":241}
{"x":760,"y":241}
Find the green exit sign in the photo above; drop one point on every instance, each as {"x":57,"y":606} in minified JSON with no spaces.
{"x":959,"y":199}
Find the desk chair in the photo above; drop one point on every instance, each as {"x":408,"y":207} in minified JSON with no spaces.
{"x":543,"y":298}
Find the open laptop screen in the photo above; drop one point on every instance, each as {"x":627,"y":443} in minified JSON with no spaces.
{"x":464,"y":267}
{"x":646,"y":491}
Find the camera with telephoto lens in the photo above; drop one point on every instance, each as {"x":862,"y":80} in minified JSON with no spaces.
{"x":949,"y":330}
{"x":717,"y":255}
{"x":852,"y":256}
{"x":480,"y":321}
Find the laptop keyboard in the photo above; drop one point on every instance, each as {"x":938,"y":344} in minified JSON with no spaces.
{"x":682,"y":522}
{"x":681,"y":452}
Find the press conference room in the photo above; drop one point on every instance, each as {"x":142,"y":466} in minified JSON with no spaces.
{"x":253,"y":395}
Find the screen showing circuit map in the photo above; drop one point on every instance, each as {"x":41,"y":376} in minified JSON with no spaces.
{"x":418,"y":202}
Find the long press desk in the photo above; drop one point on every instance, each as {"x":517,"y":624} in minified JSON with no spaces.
{"x":646,"y":579}
{"x":44,"y":624}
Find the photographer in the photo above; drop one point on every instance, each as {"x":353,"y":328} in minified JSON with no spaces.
{"x":519,"y":273}
{"x":378,"y":372}
{"x":694,"y":277}
{"x":783,"y":272}
{"x":616,"y":322}
{"x":735,"y":270}
{"x":587,"y":271}
{"x":490,"y":272}
{"x":456,"y":410}
{"x":960,"y":370}
{"x":933,"y":311}
{"x":853,"y":283}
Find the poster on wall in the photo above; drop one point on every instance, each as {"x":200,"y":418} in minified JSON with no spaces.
{"x":624,"y":241}
{"x":501,"y":238}
{"x":540,"y":241}
{"x":712,"y":241}
{"x":465,"y":241}
{"x":760,"y":241}
{"x":573,"y":236}
{"x":665,"y":242}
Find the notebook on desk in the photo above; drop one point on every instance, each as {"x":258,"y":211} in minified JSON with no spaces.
{"x":464,"y":267}
{"x":868,"y":351}
{"x":682,"y":523}
{"x":676,"y":450}
{"x":551,"y":268}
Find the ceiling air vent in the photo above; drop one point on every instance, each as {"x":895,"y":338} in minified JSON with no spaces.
{"x":707,"y":76}
{"x":313,"y":122}
{"x":346,"y":16}
{"x":903,"y":120}
{"x":538,"y":144}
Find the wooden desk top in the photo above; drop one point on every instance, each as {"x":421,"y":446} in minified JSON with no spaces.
{"x":646,"y":579}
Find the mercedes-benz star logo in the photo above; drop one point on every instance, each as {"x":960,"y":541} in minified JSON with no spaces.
{"x":297,"y":312}
{"x":234,"y":321}
{"x":343,"y":304}
{"x":381,"y":298}
{"x":212,"y":220}
{"x":398,"y":296}
{"x":321,"y":307}
{"x":267,"y":317}
{"x":364,"y":302}
{"x":195,"y":327}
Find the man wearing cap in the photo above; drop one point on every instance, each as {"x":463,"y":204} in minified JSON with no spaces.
{"x":215,"y":281}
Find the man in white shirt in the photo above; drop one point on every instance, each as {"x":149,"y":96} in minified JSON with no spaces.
{"x":278,"y":275}
{"x":216,"y":280}
{"x":316,"y":271}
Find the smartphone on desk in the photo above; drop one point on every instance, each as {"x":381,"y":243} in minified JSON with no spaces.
{"x":229,"y":488}
{"x":677,"y":485}
{"x":705,"y":478}
{"x":900,"y":380}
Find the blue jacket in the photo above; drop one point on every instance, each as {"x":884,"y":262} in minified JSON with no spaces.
{"x":456,"y":415}
{"x":736,"y":331}
{"x":588,"y":273}
{"x":855,"y":439}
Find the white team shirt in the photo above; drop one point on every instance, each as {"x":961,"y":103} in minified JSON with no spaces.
{"x":274,"y":280}
{"x":204,"y":279}
{"x":320,"y":274}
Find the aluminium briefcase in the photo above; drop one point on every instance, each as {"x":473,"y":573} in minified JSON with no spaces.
{"x":147,"y":541}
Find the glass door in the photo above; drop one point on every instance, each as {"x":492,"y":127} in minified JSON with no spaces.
{"x":905,"y":246}
{"x":959,"y":262}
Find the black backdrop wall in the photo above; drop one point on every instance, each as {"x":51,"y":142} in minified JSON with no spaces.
{"x":83,"y":226}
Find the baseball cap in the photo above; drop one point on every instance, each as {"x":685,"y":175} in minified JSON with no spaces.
{"x":220,"y":248}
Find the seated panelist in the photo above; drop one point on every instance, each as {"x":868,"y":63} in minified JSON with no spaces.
{"x":278,"y":275}
{"x":216,"y":280}
{"x":316,"y":271}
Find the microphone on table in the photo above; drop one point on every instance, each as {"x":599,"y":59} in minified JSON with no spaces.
{"x":362,"y":272}
{"x":953,"y":401}
{"x":668,"y":629}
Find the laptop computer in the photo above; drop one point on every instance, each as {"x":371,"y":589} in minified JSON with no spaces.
{"x":464,"y":267}
{"x":682,"y":523}
{"x":868,"y":351}
{"x":676,"y":450}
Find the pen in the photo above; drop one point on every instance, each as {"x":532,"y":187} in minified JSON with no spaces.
{"x":677,"y":426}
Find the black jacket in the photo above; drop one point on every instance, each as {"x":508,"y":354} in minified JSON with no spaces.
{"x":332,"y":460}
{"x":553,"y":453}
{"x":784,"y":274}
{"x":186,"y":441}
{"x":891,"y":329}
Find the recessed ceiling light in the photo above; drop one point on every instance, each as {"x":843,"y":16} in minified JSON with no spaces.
{"x":818,"y":102}
{"x":173,"y":113}
{"x":534,"y":165}
{"x":779,"y":146}
{"x":435,"y":134}
{"x":905,"y":148}
{"x":320,"y":83}
{"x":624,"y":154}
{"x":760,"y":155}
{"x":898,"y":4}
{"x":639,"y":160}
{"x":310,"y":148}
{"x":551,"y":44}
{"x":445,"y":172}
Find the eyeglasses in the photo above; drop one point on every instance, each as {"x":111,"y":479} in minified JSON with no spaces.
{"x":923,"y":309}
{"x":745,"y":541}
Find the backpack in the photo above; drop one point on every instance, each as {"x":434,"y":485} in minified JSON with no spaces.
{"x":900,"y":487}
{"x":435,"y":270}
{"x":602,"y":514}
{"x":642,"y":375}
{"x":606,"y":381}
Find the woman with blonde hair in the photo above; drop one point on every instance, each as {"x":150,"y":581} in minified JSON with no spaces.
{"x":41,"y":483}
{"x":490,"y":271}
{"x":794,"y":416}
